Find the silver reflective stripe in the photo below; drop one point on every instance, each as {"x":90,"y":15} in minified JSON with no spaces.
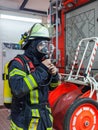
{"x":54,"y":84}
{"x":17,"y":72}
{"x":7,"y":99}
{"x":14,"y":126}
{"x":33,"y":124}
{"x":35,"y":119}
{"x":30,"y":81}
{"x":35,"y":113}
{"x":34,"y":96}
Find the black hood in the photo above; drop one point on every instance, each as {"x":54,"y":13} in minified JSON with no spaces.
{"x":32,"y":52}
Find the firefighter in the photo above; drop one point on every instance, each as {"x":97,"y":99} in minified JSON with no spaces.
{"x":30,"y":108}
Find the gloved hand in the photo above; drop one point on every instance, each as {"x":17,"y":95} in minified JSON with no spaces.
{"x":52,"y":69}
{"x":47,"y":63}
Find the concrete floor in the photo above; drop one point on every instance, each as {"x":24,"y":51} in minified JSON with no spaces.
{"x":4,"y":122}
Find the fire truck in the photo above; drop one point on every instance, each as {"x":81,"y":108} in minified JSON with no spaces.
{"x":74,"y":102}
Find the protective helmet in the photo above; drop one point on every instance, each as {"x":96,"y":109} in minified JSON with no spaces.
{"x":38,"y":30}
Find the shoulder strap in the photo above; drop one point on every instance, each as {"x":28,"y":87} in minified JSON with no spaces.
{"x":19,"y":60}
{"x":26,"y":62}
{"x":30,"y":64}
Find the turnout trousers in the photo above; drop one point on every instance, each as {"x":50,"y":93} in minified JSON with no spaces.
{"x":37,"y":117}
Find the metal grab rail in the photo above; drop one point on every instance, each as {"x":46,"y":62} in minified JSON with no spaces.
{"x":86,"y":79}
{"x":91,"y":60}
{"x":94,"y":86}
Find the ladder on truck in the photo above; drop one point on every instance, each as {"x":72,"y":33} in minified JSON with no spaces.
{"x":85,"y":79}
{"x":55,"y":7}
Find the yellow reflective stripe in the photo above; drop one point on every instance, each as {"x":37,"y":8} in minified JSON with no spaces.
{"x":28,"y":84}
{"x":49,"y":128}
{"x":35,"y":113}
{"x":30,"y":81}
{"x":34,"y":121}
{"x":34,"y":96}
{"x":50,"y":115}
{"x":49,"y":109}
{"x":33,"y":81}
{"x":13,"y":126}
{"x":7,"y":99}
{"x":33,"y":124}
{"x":54,"y":84}
{"x":17,"y":72}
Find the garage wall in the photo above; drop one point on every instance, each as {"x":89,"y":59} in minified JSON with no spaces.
{"x":10,"y":32}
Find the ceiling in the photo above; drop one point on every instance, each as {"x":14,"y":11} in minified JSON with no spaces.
{"x":35,"y":6}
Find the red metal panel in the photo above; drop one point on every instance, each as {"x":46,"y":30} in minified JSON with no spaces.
{"x":72,"y":4}
{"x":61,"y":45}
{"x":62,"y":38}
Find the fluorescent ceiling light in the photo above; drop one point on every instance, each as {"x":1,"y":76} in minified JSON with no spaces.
{"x":34,"y":20}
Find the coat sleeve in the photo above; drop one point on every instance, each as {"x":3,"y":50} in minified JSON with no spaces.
{"x":55,"y":81}
{"x":22,"y":83}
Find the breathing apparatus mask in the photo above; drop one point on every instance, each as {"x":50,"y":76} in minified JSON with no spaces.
{"x":46,"y":48}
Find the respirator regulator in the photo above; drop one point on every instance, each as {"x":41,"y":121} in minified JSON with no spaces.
{"x":46,"y":48}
